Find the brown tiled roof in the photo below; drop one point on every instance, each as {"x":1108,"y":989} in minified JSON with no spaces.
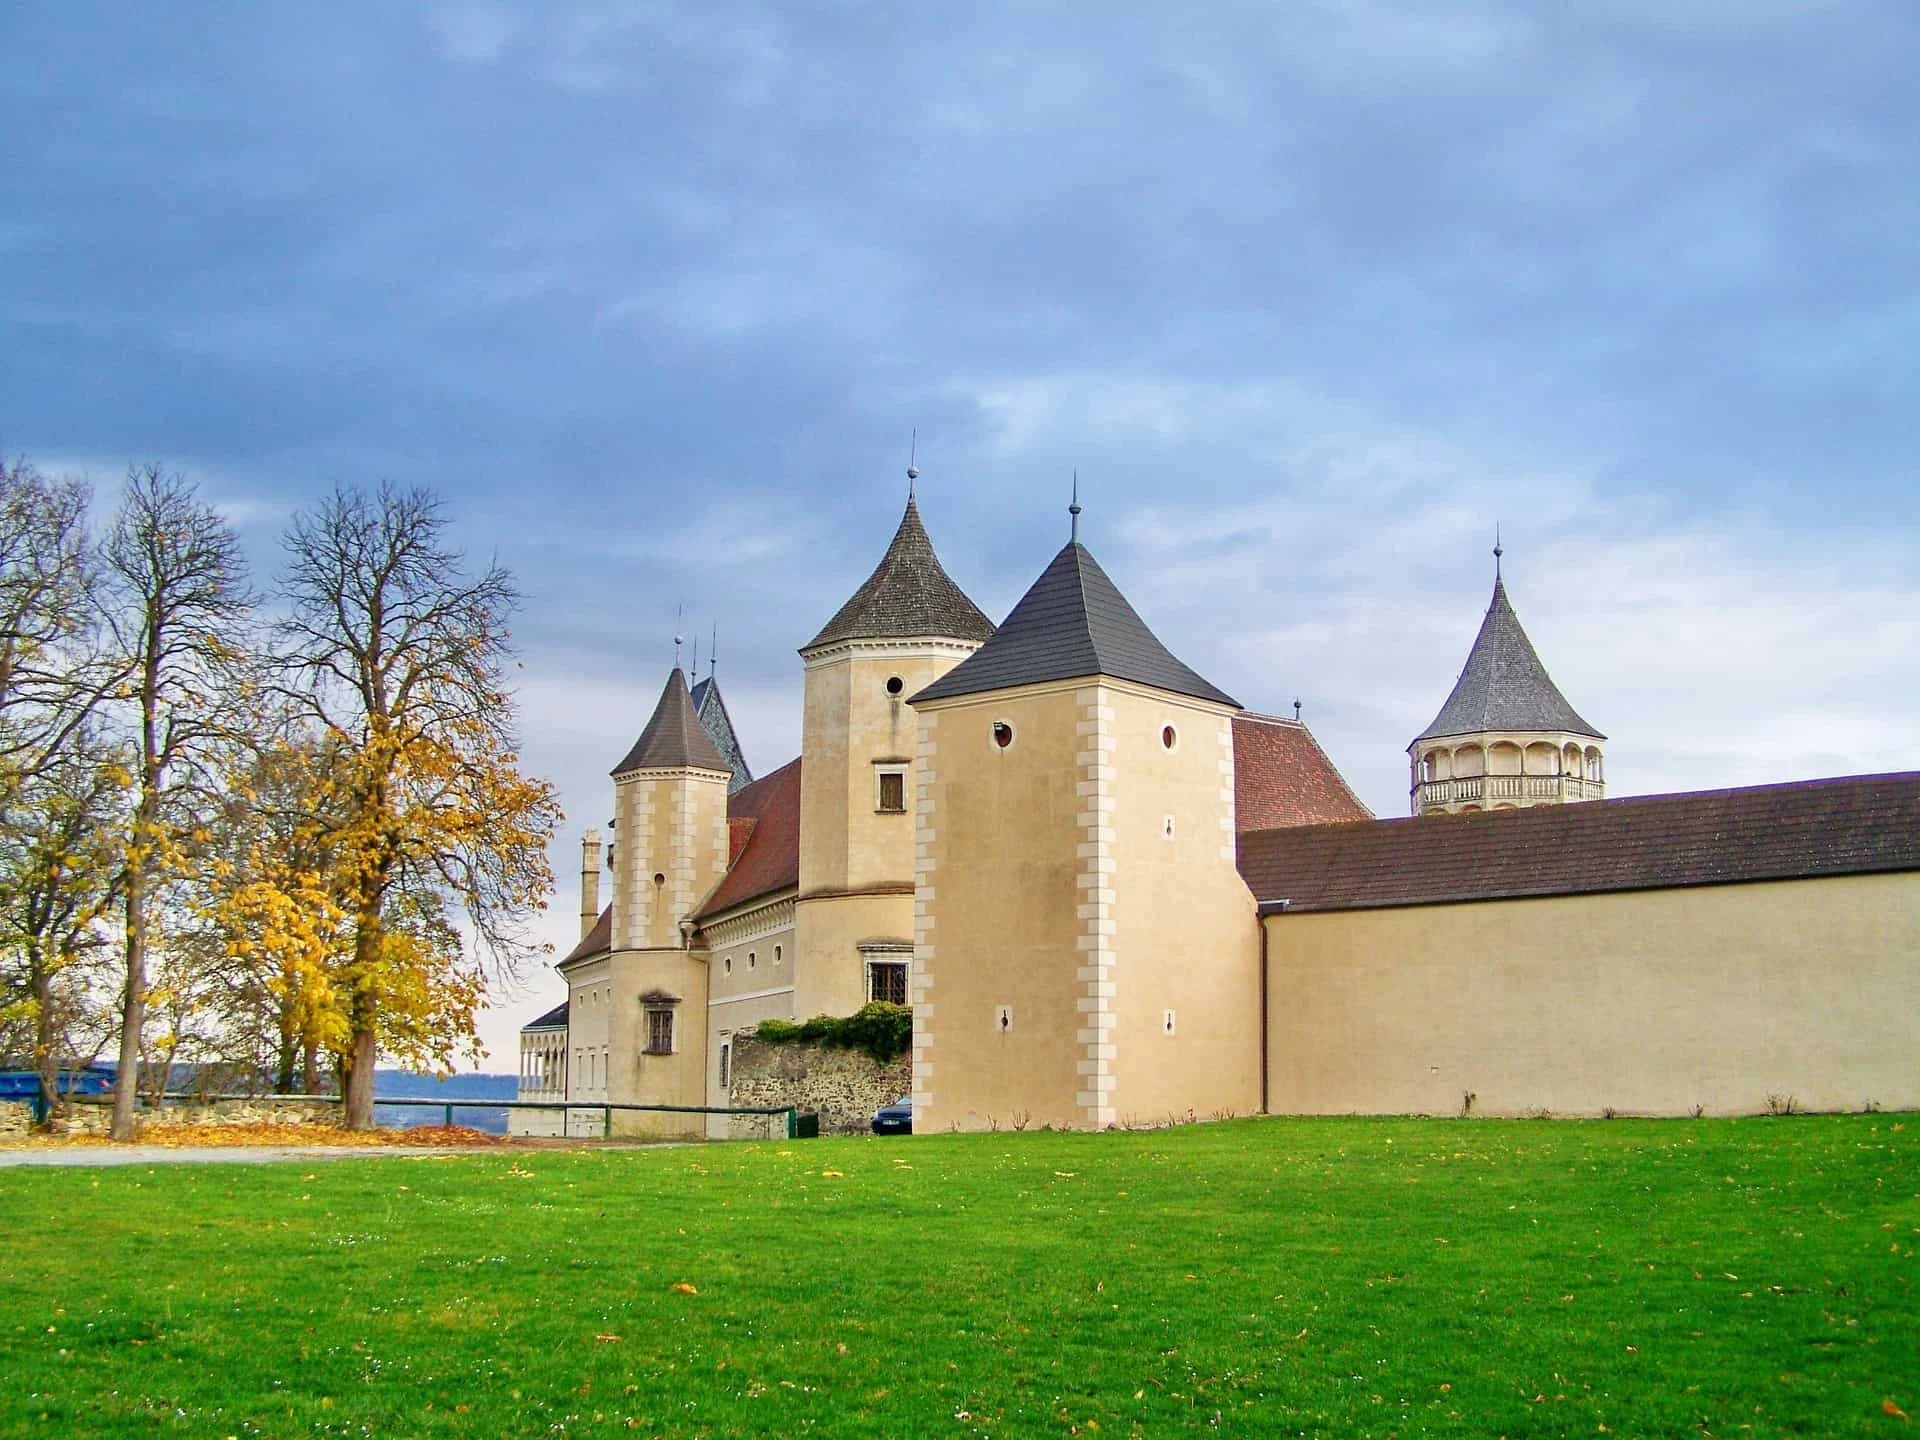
{"x":770,"y":859}
{"x":596,"y":941}
{"x":1281,"y":776}
{"x":1854,"y":825}
{"x":674,"y":738}
{"x":908,"y":593}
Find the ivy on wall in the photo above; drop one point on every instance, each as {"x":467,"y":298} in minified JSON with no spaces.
{"x":884,"y":1031}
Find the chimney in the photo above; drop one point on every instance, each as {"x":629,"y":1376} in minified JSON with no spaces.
{"x":589,"y":881}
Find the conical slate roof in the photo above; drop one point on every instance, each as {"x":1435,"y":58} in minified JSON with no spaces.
{"x":907,"y":594}
{"x":1504,"y":686}
{"x":1072,"y":622}
{"x":674,"y":738}
{"x":714,"y":719}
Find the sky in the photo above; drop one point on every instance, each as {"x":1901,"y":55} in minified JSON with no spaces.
{"x":1313,"y":297}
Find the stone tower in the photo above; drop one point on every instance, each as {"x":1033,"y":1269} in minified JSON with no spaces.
{"x":643,"y":1002}
{"x":904,"y":628}
{"x":1086,"y":952}
{"x":1506,"y":737}
{"x":670,"y":818}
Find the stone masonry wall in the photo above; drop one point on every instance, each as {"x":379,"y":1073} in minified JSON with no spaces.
{"x":94,"y":1115}
{"x":844,"y":1086}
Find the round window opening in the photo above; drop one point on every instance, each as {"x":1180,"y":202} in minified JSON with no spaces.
{"x":658,"y":878}
{"x":727,"y":965}
{"x":895,"y":685}
{"x":1002,"y":734}
{"x":1169,"y":737}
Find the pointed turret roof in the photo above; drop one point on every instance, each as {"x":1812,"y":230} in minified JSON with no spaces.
{"x":1072,"y":622}
{"x":908,"y":593}
{"x":714,"y":719}
{"x":1504,"y":686}
{"x":674,"y":738}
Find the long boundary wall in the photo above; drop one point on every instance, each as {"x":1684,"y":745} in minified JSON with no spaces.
{"x":1726,"y":997}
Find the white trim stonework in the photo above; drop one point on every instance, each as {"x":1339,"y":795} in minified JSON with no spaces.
{"x":1098,"y":956}
{"x":737,"y":927}
{"x":920,"y":976}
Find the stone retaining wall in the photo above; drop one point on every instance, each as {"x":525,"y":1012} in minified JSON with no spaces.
{"x":844,"y":1086}
{"x":16,"y":1117}
{"x":93,"y":1115}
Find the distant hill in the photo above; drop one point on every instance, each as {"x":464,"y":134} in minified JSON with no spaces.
{"x":404,"y":1085}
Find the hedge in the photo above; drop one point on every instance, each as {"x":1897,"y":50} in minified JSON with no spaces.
{"x":884,"y":1031}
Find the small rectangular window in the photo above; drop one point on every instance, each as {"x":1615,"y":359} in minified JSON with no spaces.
{"x":659,"y":1032}
{"x":726,"y":1054}
{"x":890,"y":796}
{"x":887,"y":980}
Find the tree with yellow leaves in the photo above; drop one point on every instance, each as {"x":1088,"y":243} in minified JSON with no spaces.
{"x":396,"y":654}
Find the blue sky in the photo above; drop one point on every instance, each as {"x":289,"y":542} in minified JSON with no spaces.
{"x":1312,"y":295}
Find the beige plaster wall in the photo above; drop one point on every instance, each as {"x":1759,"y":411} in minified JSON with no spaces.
{"x":851,"y":853}
{"x":641,"y":1079}
{"x":1185,"y":928}
{"x":997,"y":918}
{"x":673,"y":824}
{"x":1648,"y":1002}
{"x":832,"y":978}
{"x":849,"y":722}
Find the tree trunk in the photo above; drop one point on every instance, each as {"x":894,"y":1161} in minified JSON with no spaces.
{"x":310,"y":1070}
{"x":357,"y":1089}
{"x":133,"y":1008}
{"x":44,"y":1060}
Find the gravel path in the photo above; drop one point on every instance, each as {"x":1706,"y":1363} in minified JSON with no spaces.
{"x":218,"y":1154}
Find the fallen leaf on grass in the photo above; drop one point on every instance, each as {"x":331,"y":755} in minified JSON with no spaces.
{"x":832,"y":1175}
{"x":1887,"y":1407}
{"x":681,"y":1287}
{"x":608,"y":1339}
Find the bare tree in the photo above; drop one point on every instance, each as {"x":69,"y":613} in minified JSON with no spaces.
{"x":50,"y":678}
{"x":178,"y":614}
{"x":397,"y":653}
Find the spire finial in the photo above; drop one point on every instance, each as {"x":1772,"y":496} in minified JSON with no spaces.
{"x":713,"y":650}
{"x":1073,"y":509}
{"x":695,"y":670}
{"x":679,"y":611}
{"x":913,"y":455}
{"x":1497,"y":551}
{"x":1296,"y":711}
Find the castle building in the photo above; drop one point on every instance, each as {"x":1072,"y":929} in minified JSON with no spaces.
{"x":1506,"y":737}
{"x":1112,"y":896}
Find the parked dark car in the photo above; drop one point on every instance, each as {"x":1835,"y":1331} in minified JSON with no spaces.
{"x":894,"y":1119}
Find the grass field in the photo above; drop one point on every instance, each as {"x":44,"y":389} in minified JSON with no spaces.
{"x":1259,"y":1278}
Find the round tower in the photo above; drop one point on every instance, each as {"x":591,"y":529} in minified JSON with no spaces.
{"x":1506,"y":738}
{"x":904,"y":628}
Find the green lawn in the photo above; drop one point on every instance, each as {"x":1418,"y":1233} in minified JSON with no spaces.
{"x":1261,"y":1277}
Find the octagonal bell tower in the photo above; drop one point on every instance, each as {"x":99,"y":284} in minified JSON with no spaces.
{"x":1506,"y":738}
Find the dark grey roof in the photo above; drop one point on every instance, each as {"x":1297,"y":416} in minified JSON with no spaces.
{"x":1072,"y":622}
{"x":1504,"y":686}
{"x":908,"y":593}
{"x":718,"y":724}
{"x":674,"y":738}
{"x":554,"y":1019}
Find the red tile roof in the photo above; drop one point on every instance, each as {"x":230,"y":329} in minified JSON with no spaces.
{"x":596,"y":941}
{"x":769,"y":859}
{"x":1281,"y":776}
{"x":1854,"y":825}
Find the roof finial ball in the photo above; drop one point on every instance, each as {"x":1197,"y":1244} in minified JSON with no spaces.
{"x":1497,"y":552}
{"x":1073,"y":509}
{"x":913,"y":455}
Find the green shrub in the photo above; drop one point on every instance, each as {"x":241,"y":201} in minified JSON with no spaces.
{"x":884,"y":1031}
